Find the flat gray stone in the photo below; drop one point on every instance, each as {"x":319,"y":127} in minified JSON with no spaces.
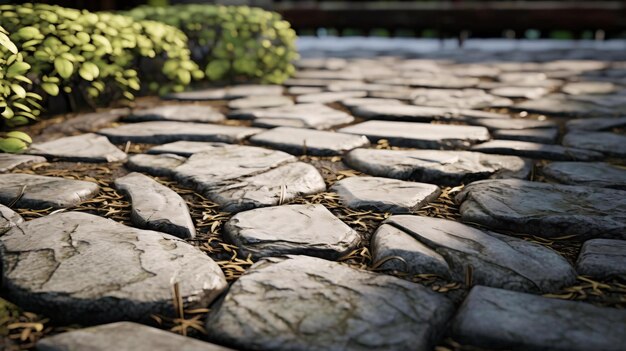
{"x":198,"y":95}
{"x":307,"y":303}
{"x":313,"y":116}
{"x":245,"y":90}
{"x":184,"y":148}
{"x":563,"y":106}
{"x":458,"y":98}
{"x":290,"y":229}
{"x":420,"y":135}
{"x":123,"y":336}
{"x":328,"y":74}
{"x":355,"y":102}
{"x":433,"y":81}
{"x":584,"y":88}
{"x":602,"y":258}
{"x":513,"y":92}
{"x":82,"y":123}
{"x":501,"y":319}
{"x":125,"y":273}
{"x":595,"y":124}
{"x":8,"y":219}
{"x":437,"y":166}
{"x":330,"y":96}
{"x":417,"y":258}
{"x":244,"y":177}
{"x":165,"y":132}
{"x":496,"y":260}
{"x":297,"y":90}
{"x":608,"y":143}
{"x":260,"y":101}
{"x":80,"y":148}
{"x":177,"y":113}
{"x":155,"y":206}
{"x":536,"y":150}
{"x":400,"y":112}
{"x":160,"y":165}
{"x":300,"y":141}
{"x":511,"y":123}
{"x":384,"y":195}
{"x":597,"y":174}
{"x":39,"y":192}
{"x":10,"y":161}
{"x":542,"y":209}
{"x":232,"y":92}
{"x":538,"y":135}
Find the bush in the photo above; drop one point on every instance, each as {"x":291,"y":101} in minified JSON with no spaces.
{"x":17,"y":105}
{"x":98,"y":54}
{"x":232,"y":42}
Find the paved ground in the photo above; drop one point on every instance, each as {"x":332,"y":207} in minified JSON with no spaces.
{"x":451,"y":200}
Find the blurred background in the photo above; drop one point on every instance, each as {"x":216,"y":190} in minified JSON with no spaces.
{"x":437,"y":19}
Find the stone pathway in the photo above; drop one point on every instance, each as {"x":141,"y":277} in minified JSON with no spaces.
{"x":435,"y":201}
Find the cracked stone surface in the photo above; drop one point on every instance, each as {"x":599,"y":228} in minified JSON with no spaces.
{"x":329,"y":96}
{"x":244,"y":177}
{"x":546,"y":210}
{"x":313,"y":116}
{"x":80,"y":148}
{"x":595,"y":124}
{"x":160,"y":165}
{"x":356,"y":102}
{"x":459,"y":98}
{"x":299,"y":141}
{"x":437,"y":81}
{"x":562,"y":106}
{"x":166,"y":132}
{"x":298,"y":90}
{"x":126,"y":273}
{"x":290,"y":229}
{"x":155,"y":206}
{"x":123,"y":336}
{"x":307,"y":303}
{"x":10,"y":161}
{"x":178,"y":113}
{"x":598,"y":174}
{"x":539,"y":135}
{"x":417,"y":258}
{"x":608,"y":143}
{"x":41,"y":192}
{"x":8,"y":218}
{"x":260,"y":101}
{"x":420,"y":135}
{"x":536,"y":150}
{"x":511,"y":123}
{"x":496,"y":260}
{"x":602,"y":258}
{"x":437,"y":166}
{"x":514,"y":92}
{"x":82,"y":123}
{"x":400,"y":112}
{"x":584,"y":88}
{"x":184,"y":148}
{"x":501,"y":319}
{"x":384,"y":195}
{"x":233,"y":92}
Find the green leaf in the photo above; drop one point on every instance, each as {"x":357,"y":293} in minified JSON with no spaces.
{"x":64,"y":67}
{"x":17,"y":68}
{"x":20,"y":135}
{"x":7,"y":43}
{"x":12,"y":145}
{"x":7,"y":113}
{"x":50,"y":88}
{"x":18,"y":90}
{"x":27,"y":33}
{"x":89,"y":71}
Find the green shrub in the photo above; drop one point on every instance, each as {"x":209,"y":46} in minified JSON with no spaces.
{"x":17,"y":104}
{"x":232,"y":42}
{"x":98,"y":54}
